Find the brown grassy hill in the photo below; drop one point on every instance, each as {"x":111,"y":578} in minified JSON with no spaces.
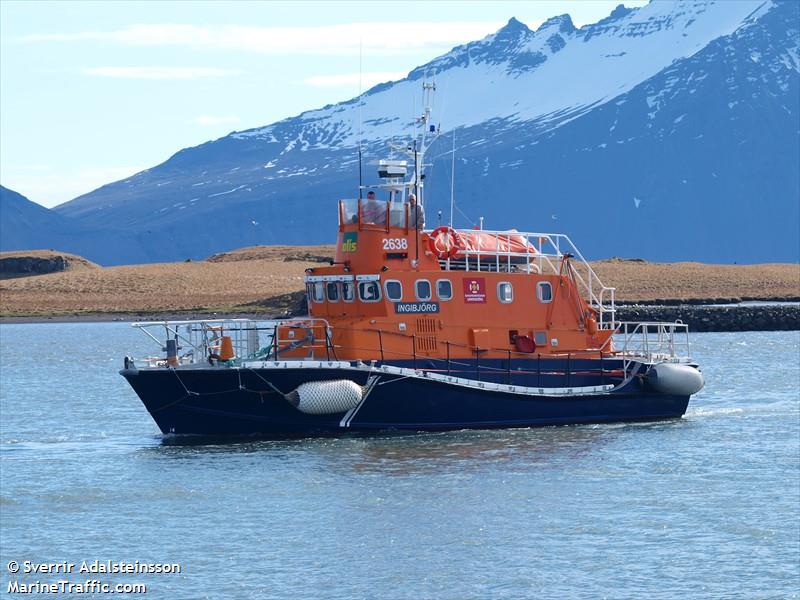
{"x":269,"y":280}
{"x":25,"y":263}
{"x":645,"y":281}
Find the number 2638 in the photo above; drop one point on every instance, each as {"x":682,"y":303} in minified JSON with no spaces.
{"x":395,"y":244}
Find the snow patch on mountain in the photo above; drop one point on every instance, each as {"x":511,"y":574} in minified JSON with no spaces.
{"x":569,"y":70}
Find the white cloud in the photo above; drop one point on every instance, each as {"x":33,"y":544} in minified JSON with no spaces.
{"x":381,"y":37}
{"x":351,"y":80}
{"x":49,"y":187}
{"x":211,"y":120}
{"x":157,"y":72}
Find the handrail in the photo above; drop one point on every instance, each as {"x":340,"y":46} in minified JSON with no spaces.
{"x":638,"y":338}
{"x":649,"y":341}
{"x":653,"y":341}
{"x":198,"y":339}
{"x":638,"y":342}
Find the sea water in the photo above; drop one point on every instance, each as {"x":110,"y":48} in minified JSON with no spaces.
{"x":704,"y":506}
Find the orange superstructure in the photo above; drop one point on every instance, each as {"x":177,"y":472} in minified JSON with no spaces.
{"x":395,"y":293}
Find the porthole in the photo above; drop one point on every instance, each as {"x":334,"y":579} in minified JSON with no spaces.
{"x":369,"y":291}
{"x":348,"y":291}
{"x":544,"y":291}
{"x":422,"y":289}
{"x":318,"y":292}
{"x":332,"y":291}
{"x":505,"y":292}
{"x":444,"y":289}
{"x":394,"y":290}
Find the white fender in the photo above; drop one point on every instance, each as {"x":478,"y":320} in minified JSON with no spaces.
{"x":672,"y":378}
{"x":326,"y":397}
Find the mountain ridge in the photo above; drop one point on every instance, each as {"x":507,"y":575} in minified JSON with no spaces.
{"x":551,"y":103}
{"x":28,"y":226}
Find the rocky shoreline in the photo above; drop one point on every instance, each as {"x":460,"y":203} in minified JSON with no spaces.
{"x":735,"y":317}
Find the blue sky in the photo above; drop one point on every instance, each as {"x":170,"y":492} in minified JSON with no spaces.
{"x":92,"y":92}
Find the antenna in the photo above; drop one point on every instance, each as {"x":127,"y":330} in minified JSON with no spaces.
{"x":419,"y":203}
{"x":360,"y":180}
{"x":452,"y":179}
{"x":360,"y":119}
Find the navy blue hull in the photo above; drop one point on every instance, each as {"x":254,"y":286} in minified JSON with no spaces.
{"x":226,"y":401}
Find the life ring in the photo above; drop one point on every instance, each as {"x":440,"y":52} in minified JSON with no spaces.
{"x":452,"y":242}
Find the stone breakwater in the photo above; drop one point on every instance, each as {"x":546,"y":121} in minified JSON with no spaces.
{"x":771,"y":317}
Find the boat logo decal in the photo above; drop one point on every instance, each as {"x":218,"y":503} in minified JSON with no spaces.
{"x":350,"y":241}
{"x":475,"y":290}
{"x":403,"y":308}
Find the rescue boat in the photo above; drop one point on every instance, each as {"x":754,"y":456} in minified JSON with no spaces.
{"x":414,"y":328}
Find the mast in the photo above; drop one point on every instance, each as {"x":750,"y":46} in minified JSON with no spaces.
{"x":428,"y":90}
{"x":416,"y":174}
{"x":399,"y":181}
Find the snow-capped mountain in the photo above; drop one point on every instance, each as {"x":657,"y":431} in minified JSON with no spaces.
{"x":668,"y":132}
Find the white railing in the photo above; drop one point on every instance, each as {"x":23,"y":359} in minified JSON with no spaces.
{"x":652,"y":342}
{"x":537,"y":253}
{"x":194,"y":342}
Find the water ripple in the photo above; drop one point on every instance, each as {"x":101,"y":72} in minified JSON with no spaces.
{"x":705,"y":506}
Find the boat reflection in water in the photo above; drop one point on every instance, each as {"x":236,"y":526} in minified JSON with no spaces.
{"x":399,"y":454}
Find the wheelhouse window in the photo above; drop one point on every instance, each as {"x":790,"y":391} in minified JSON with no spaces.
{"x":540,"y":338}
{"x":348,"y":291}
{"x":397,"y":214}
{"x":505,"y":292}
{"x":348,"y":212}
{"x":318,"y":292}
{"x":544,"y":291}
{"x":369,"y":291}
{"x":444,"y":289}
{"x":332,"y":290}
{"x":394,"y":290}
{"x":422,"y":289}
{"x":373,"y":211}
